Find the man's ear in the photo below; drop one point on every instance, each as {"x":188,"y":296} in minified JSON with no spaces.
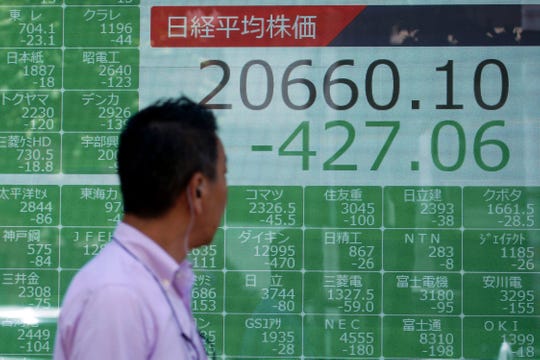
{"x":196,"y":191}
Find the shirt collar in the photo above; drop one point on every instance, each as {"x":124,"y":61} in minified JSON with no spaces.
{"x":167,"y":270}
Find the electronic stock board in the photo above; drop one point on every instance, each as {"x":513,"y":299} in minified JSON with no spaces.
{"x":383,"y":157}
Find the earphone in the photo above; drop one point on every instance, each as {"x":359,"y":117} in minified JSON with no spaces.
{"x":198,"y":194}
{"x":190,"y":223}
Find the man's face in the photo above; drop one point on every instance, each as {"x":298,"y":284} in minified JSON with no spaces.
{"x":215,"y":199}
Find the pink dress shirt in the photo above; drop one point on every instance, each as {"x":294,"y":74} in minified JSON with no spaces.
{"x":116,"y":309}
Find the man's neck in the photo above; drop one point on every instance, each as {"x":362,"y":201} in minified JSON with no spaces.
{"x":166,"y":231}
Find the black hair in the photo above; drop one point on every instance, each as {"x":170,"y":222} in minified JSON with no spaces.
{"x":160,"y":149}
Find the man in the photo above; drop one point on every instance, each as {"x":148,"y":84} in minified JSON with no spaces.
{"x":132,"y":301}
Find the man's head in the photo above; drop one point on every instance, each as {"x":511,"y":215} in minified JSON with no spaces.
{"x":166,"y":149}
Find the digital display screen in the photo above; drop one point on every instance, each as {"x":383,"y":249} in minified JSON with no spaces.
{"x":383,"y":168}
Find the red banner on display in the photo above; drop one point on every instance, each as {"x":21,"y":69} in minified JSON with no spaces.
{"x":239,"y":26}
